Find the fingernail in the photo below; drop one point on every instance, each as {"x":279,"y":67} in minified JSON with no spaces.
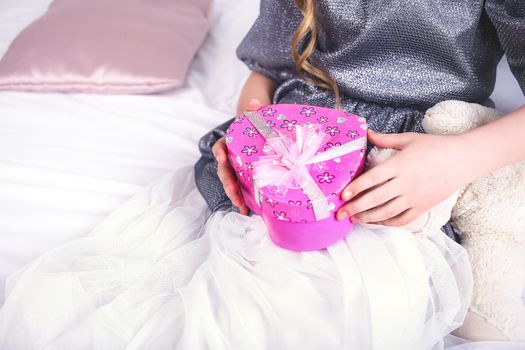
{"x":354,"y":220}
{"x":347,"y":195}
{"x":342,"y":215}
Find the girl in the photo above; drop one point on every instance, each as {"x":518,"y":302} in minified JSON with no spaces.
{"x":388,"y":62}
{"x":162,"y":273}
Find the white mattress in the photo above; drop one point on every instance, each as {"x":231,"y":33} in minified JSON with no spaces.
{"x":67,"y":161}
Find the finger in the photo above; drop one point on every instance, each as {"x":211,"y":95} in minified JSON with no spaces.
{"x":227,"y":176}
{"x":219,"y":150}
{"x":232,"y":191}
{"x":373,"y":177}
{"x":253,"y":105}
{"x":386,"y":211}
{"x":243,"y":209}
{"x":402,"y":219}
{"x":229,"y":182}
{"x":372,"y":198}
{"x":396,"y":141}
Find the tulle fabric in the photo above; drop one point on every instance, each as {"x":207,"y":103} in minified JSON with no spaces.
{"x":162,"y":273}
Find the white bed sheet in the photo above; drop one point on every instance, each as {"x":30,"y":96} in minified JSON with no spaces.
{"x":67,"y":161}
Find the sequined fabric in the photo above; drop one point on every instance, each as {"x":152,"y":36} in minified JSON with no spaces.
{"x":395,"y":52}
{"x":392,"y":60}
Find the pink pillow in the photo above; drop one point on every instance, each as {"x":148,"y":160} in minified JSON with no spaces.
{"x":107,"y":46}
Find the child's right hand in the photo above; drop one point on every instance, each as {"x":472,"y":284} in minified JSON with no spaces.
{"x":225,"y":171}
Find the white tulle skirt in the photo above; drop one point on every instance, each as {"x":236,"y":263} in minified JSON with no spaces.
{"x":162,"y":273}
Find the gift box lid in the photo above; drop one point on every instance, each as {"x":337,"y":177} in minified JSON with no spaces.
{"x":330,"y":165}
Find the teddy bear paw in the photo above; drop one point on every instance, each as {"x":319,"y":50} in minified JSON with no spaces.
{"x":456,"y":117}
{"x":378,"y":155}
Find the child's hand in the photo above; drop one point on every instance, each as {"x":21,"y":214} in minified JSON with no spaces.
{"x":426,"y":170}
{"x":225,"y":171}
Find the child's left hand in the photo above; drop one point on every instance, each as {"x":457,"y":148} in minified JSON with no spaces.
{"x":426,"y":170}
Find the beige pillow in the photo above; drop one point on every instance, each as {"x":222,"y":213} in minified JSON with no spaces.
{"x":107,"y":46}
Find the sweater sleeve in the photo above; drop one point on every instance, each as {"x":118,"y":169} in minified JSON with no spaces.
{"x":508,"y":18}
{"x":266,"y":48}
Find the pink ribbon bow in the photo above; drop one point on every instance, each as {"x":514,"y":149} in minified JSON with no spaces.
{"x":287,"y":167}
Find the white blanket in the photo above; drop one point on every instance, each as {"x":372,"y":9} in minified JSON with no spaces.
{"x":68,"y":160}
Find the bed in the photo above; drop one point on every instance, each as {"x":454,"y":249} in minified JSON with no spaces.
{"x":68,"y":160}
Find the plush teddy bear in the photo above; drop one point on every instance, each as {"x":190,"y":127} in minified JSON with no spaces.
{"x":489,"y":215}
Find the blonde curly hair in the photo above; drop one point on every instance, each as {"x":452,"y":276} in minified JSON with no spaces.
{"x":308,"y":29}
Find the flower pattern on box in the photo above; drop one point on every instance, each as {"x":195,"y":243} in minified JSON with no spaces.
{"x":322,"y":119}
{"x":271,"y":201}
{"x":320,"y":167}
{"x":308,"y":111}
{"x":270,"y":123}
{"x":332,"y":130}
{"x":325,"y":178}
{"x":281,"y":215}
{"x":331,"y":145}
{"x":289,"y":124}
{"x":249,"y":150}
{"x":250,"y":132}
{"x":268,"y":112}
{"x":352,"y":134}
{"x":276,"y":191}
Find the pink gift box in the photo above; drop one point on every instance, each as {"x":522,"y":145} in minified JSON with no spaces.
{"x":292,"y":162}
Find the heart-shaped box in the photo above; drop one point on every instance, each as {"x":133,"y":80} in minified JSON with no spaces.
{"x":292,"y":162}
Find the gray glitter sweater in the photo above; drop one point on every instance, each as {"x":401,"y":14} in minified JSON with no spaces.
{"x":392,"y":59}
{"x":396,"y":52}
